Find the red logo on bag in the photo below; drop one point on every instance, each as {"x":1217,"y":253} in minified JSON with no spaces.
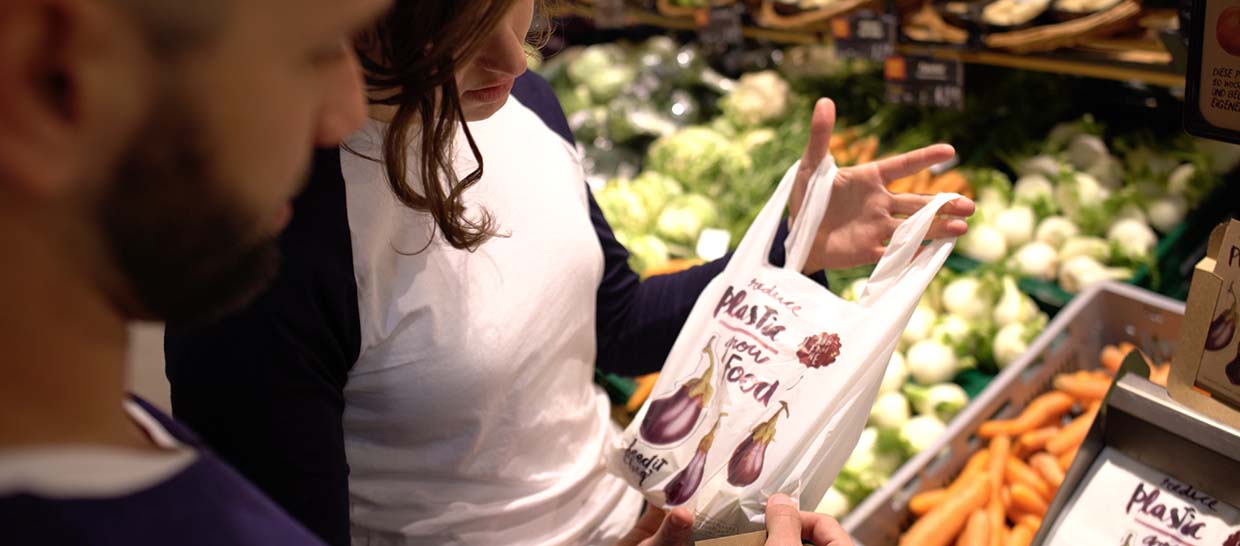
{"x":818,"y":351}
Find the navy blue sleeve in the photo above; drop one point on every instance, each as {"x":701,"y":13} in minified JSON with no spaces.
{"x":637,"y":321}
{"x":264,"y":386}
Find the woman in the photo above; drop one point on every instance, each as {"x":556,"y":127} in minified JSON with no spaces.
{"x":421,"y":372}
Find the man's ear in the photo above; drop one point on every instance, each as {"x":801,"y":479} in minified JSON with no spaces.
{"x":73,"y":84}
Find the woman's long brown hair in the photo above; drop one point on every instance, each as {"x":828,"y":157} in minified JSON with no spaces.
{"x":411,"y":59}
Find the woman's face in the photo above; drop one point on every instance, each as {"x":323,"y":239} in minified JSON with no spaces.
{"x":486,"y":79}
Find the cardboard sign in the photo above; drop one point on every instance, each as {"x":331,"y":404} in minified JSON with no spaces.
{"x":1212,"y":94}
{"x":1205,"y":372}
{"x":865,"y":35}
{"x":925,"y":81}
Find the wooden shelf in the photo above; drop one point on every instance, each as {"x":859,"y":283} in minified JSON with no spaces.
{"x":1124,"y":59}
{"x":1089,"y":60}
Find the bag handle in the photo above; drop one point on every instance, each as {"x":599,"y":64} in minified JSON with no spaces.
{"x":905,"y":244}
{"x":802,"y":233}
{"x":755,"y":246}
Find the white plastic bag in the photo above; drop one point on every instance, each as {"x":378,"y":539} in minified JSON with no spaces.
{"x":770,"y":383}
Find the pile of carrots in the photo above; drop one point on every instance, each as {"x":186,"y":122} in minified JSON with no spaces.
{"x":923,"y":182}
{"x":1001,"y":496}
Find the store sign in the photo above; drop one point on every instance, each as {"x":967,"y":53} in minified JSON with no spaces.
{"x":609,"y":13}
{"x":1205,"y":372}
{"x":1212,"y":94}
{"x":865,"y":35}
{"x":925,"y":81}
{"x":720,"y":27}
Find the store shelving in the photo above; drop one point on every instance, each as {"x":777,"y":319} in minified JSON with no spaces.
{"x":1139,"y":58}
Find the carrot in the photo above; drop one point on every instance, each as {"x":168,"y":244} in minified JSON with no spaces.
{"x":998,"y":518}
{"x":1073,"y":434}
{"x":1160,"y":373}
{"x":1019,"y":536}
{"x":901,"y":185}
{"x":866,"y":149}
{"x":1028,"y":500}
{"x":942,"y":524}
{"x":1084,"y":386}
{"x":1000,"y":449}
{"x":1111,"y":358}
{"x":1006,"y":498}
{"x":1048,"y":467}
{"x":645,"y":384}
{"x":1065,"y":460}
{"x":1034,"y":440}
{"x":925,"y":501}
{"x":978,"y":463}
{"x":976,"y":530}
{"x":1032,"y":522}
{"x":1017,"y":471}
{"x":1041,"y":411}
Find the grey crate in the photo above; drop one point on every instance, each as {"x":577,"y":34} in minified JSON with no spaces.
{"x":1106,"y":314}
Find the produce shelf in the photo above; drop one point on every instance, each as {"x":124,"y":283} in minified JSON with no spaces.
{"x":1125,"y":59}
{"x":1101,"y":59}
{"x":634,"y":17}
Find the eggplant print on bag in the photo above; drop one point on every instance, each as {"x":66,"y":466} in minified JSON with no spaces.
{"x":671,"y":419}
{"x":746,"y":463}
{"x":1223,"y":327}
{"x":686,"y":483}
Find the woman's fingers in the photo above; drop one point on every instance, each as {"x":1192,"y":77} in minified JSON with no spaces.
{"x":823,"y":530}
{"x":820,"y":129}
{"x":677,"y":530}
{"x":783,"y":521}
{"x":908,"y":164}
{"x":907,"y":204}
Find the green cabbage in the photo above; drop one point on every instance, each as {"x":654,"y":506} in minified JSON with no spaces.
{"x":684,"y":218}
{"x":701,"y":159}
{"x":624,"y":208}
{"x":656,"y":190}
{"x":647,"y":252}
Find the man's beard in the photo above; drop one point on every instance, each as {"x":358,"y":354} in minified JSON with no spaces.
{"x":182,"y":243}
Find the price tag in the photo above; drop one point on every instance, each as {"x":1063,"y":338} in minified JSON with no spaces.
{"x":719,"y":27}
{"x":865,"y":35}
{"x":609,"y":13}
{"x":1212,"y":97}
{"x":925,"y":81}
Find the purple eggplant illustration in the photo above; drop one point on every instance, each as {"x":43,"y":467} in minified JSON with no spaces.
{"x":1223,"y":327}
{"x":1233,"y":370}
{"x":686,"y":483}
{"x":746,"y":463}
{"x":671,"y":419}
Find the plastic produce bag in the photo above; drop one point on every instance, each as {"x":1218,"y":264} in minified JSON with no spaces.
{"x":771,"y":381}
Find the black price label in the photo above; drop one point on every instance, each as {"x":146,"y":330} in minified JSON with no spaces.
{"x":923,"y":81}
{"x":865,"y":35}
{"x":609,"y":13}
{"x":720,"y":27}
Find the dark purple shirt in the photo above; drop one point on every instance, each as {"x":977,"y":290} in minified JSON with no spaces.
{"x":205,"y":504}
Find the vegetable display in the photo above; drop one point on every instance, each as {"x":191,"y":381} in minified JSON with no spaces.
{"x":958,"y":326}
{"x":1005,"y":488}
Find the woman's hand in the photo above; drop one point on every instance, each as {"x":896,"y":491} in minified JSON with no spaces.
{"x":785,"y":526}
{"x":659,"y":528}
{"x":788,"y":526}
{"x":862,"y":213}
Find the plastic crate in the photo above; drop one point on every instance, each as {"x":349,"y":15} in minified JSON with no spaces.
{"x":1105,"y":314}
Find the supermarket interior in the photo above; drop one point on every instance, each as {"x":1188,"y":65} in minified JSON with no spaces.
{"x":1096,"y":215}
{"x":620,"y":272}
